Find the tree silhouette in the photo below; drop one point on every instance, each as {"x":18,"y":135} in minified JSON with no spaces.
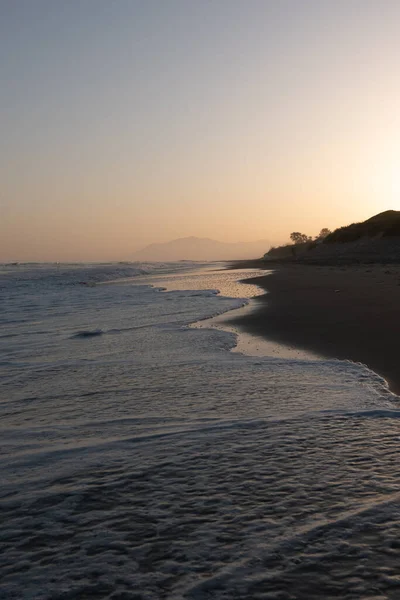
{"x":299,"y":238}
{"x":323,"y":234}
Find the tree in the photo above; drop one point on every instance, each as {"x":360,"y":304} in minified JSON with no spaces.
{"x":323,"y":234}
{"x":299,"y":238}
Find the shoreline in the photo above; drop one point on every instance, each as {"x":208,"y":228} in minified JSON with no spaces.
{"x":237,"y":286}
{"x":252,"y":344}
{"x":343,"y":312}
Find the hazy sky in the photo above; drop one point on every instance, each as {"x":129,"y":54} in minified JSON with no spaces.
{"x":125,"y":122}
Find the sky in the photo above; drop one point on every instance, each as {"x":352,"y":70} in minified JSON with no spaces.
{"x":126,"y":122}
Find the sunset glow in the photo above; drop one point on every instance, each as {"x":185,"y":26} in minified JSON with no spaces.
{"x":128,"y":123}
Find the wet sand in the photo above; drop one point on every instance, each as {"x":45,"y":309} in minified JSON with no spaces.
{"x":350,"y":312}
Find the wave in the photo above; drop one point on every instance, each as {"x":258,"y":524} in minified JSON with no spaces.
{"x":26,"y":275}
{"x":88,"y":333}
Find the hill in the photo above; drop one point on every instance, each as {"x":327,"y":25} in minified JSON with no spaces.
{"x":194,"y":248}
{"x":384,"y":224}
{"x":375,"y":240}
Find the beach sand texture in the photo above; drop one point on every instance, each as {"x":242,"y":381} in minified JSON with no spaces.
{"x":345,"y":312}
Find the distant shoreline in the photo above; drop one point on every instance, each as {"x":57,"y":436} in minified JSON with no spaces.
{"x":344,"y":312}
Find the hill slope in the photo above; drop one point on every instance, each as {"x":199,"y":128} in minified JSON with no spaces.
{"x":193,"y":248}
{"x":384,"y":224}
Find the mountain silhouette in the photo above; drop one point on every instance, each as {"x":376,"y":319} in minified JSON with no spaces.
{"x":194,"y":248}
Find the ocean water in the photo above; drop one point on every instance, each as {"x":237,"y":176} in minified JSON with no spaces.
{"x":142,"y":459}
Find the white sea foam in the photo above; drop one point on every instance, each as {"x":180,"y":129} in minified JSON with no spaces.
{"x":152,"y":462}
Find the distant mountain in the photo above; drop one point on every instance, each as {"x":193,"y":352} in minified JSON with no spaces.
{"x":194,"y":248}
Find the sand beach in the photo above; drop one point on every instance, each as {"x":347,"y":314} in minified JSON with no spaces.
{"x":347,"y":312}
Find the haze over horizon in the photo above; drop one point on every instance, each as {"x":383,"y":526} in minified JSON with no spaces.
{"x":194,"y":248}
{"x":130,"y":123}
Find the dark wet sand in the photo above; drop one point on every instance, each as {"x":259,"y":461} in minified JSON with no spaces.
{"x":348,"y":312}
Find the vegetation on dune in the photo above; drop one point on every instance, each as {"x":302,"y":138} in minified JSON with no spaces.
{"x":323,"y":234}
{"x":302,"y":238}
{"x":301,"y":243}
{"x":385,"y":224}
{"x":299,"y":238}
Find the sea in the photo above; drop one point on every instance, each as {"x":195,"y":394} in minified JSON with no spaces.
{"x":146,"y":455}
